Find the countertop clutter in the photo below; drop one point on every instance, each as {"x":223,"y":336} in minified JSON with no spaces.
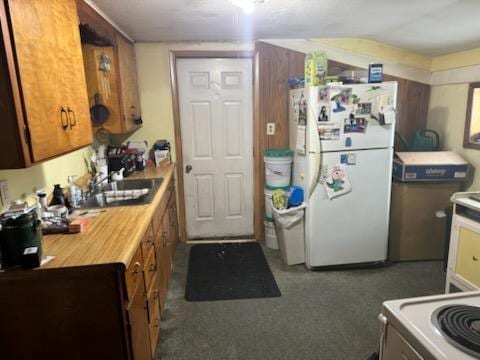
{"x":105,"y":287}
{"x":113,"y":235}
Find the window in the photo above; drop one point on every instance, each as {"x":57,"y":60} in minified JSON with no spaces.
{"x":472,"y":123}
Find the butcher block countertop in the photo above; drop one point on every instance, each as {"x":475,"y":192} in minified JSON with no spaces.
{"x":113,"y":236}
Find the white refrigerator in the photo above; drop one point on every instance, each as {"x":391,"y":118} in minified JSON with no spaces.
{"x":342,"y":137}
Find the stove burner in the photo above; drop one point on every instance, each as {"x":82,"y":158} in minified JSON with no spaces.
{"x":460,"y":325}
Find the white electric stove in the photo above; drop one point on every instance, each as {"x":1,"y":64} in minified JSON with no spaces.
{"x":431,"y":327}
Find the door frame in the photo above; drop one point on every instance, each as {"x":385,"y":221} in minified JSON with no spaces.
{"x":202,"y":54}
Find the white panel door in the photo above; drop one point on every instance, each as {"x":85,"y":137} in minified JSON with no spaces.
{"x":215,"y":97}
{"x":351,"y":228}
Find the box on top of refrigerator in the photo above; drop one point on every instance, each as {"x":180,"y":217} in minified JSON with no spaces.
{"x":429,"y":166}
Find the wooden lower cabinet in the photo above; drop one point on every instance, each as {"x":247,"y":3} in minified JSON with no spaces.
{"x":157,"y":250}
{"x":138,"y":326}
{"x":105,"y":311}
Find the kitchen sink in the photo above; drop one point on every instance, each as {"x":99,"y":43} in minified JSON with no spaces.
{"x":98,"y":199}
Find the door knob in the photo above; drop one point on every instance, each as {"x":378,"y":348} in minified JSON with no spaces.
{"x":188,"y":168}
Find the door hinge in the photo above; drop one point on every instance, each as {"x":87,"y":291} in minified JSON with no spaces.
{"x":26,"y":134}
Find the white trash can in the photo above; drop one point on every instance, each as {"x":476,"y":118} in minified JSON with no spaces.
{"x":291,"y":233}
{"x":278,"y":167}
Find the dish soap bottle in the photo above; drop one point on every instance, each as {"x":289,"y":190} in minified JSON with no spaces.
{"x":74,"y":192}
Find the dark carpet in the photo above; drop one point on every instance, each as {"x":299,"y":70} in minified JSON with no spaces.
{"x":229,"y":272}
{"x":320,"y":315}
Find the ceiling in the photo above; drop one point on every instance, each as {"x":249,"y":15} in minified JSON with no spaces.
{"x":430,"y":27}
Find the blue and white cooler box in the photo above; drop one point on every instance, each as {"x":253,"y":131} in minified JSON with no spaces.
{"x":429,"y":166}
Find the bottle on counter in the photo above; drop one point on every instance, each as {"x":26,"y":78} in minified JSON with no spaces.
{"x":59,"y":197}
{"x":42,"y":199}
{"x":74,"y":192}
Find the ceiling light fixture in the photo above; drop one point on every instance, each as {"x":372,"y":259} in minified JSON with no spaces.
{"x":247,"y":6}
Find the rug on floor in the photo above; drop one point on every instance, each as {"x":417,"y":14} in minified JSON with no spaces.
{"x":229,"y":271}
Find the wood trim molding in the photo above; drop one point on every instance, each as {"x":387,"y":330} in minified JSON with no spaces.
{"x":466,"y":135}
{"x":192,"y":54}
{"x":108,"y":19}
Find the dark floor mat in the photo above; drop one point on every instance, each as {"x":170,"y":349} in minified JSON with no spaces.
{"x":229,"y":271}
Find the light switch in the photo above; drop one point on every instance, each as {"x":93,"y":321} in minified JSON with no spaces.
{"x":270,"y":128}
{"x":4,"y":194}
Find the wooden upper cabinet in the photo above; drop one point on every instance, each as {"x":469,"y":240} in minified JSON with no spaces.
{"x":49,"y":87}
{"x":122,"y":97}
{"x":128,"y":82}
{"x":74,"y":87}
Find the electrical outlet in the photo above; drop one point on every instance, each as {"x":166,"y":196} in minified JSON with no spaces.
{"x":4,"y":193}
{"x":270,"y":128}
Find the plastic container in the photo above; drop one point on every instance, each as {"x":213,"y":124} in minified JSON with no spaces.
{"x":271,"y":239}
{"x":278,"y":167}
{"x":18,"y":234}
{"x":268,"y":191}
{"x":291,"y":234}
{"x":295,"y":196}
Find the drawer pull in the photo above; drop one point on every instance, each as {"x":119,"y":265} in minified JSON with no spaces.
{"x":136,"y":268}
{"x":474,"y":258}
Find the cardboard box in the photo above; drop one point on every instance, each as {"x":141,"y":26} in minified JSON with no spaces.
{"x":429,"y":166}
{"x":416,"y":233}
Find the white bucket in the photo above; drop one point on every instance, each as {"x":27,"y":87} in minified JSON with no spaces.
{"x":270,"y":235}
{"x":278,"y":169}
{"x":268,"y":199}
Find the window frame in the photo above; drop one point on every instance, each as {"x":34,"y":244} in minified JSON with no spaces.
{"x":466,"y":136}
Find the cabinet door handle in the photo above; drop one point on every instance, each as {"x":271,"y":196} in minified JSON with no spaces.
{"x":136,"y":268}
{"x":474,"y":258}
{"x":73,"y":119}
{"x":64,"y":118}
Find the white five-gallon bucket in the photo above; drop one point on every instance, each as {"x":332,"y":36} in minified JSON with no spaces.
{"x":268,"y":191}
{"x":270,"y":234}
{"x":278,"y":167}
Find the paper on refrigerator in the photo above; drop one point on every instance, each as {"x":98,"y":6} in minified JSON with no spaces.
{"x":335,"y":180}
{"x":301,"y":146}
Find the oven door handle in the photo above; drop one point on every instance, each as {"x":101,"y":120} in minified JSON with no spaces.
{"x":383,"y":334}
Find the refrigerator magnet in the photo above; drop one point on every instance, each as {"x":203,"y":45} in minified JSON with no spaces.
{"x":348,"y":159}
{"x":355,"y":125}
{"x":324,"y":94}
{"x":323,"y":113}
{"x":363,"y":108}
{"x":329,"y":133}
{"x":342,"y":98}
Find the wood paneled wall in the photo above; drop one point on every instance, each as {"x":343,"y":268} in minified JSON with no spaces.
{"x":273,"y":67}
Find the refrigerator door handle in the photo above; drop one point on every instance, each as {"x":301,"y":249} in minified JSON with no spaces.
{"x":313,"y":181}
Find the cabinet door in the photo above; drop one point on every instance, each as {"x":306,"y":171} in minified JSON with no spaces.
{"x":127,"y":67}
{"x":138,"y":319}
{"x":103,"y":84}
{"x":74,"y":87}
{"x":36,"y":28}
{"x":468,"y":255}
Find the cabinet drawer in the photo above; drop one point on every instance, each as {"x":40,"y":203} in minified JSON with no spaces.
{"x":134,"y":274}
{"x":150,"y":269}
{"x":468,"y":256}
{"x":148,"y":242}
